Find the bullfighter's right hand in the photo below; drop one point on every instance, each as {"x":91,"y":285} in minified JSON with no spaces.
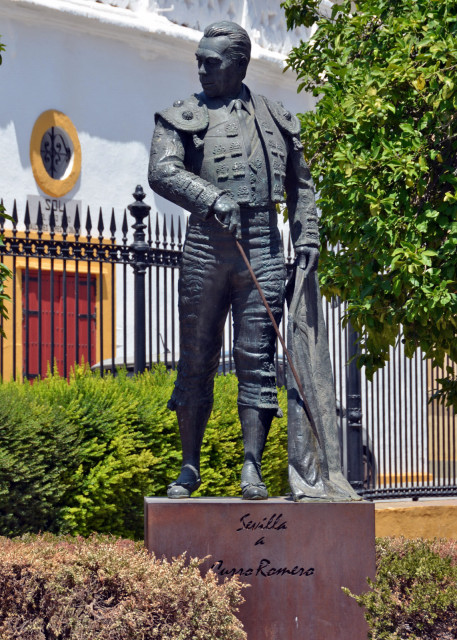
{"x":227,"y":212}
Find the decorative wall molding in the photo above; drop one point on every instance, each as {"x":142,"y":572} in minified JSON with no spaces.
{"x":147,"y":31}
{"x":112,"y":20}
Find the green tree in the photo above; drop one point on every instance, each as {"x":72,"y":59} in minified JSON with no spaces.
{"x":5,"y":273}
{"x":382,"y":146}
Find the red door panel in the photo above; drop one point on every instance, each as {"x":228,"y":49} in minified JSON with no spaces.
{"x":67,"y":321}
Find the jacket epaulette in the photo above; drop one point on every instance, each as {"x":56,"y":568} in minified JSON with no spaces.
{"x":286,"y":121}
{"x":190,"y":115}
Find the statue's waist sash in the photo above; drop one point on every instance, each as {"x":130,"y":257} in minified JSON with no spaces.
{"x":256,"y":222}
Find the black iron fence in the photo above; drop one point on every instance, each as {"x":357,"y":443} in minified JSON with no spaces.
{"x":72,"y":292}
{"x":75,"y":292}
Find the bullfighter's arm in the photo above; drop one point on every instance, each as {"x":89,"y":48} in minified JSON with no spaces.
{"x":169,"y":177}
{"x":301,"y":206}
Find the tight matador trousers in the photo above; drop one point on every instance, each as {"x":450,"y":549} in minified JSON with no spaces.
{"x":213,"y":277}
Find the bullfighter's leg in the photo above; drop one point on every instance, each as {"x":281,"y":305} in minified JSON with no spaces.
{"x":254,"y":351}
{"x":203,"y":307}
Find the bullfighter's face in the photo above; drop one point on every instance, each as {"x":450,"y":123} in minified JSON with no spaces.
{"x":220,"y":75}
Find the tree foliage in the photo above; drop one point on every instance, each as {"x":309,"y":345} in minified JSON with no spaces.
{"x":382,"y":146}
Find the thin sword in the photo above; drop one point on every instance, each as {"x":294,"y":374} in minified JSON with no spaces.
{"x":281,"y":340}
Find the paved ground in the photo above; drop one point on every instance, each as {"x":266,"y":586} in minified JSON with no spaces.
{"x":429,"y":502}
{"x":424,"y":518}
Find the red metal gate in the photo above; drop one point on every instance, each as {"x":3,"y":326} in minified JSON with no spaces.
{"x":58,"y":321}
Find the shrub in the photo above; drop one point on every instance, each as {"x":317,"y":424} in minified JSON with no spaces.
{"x":78,"y":456}
{"x":39,"y":450}
{"x":414,"y":596}
{"x":115,"y":463}
{"x":109,"y":589}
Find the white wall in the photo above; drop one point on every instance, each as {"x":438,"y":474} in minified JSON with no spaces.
{"x":109,"y":80}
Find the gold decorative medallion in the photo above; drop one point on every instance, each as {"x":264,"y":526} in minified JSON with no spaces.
{"x":55,"y":153}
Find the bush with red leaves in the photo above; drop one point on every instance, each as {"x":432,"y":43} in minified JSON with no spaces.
{"x":105,"y":588}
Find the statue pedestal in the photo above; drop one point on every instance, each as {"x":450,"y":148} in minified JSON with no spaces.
{"x":296,"y":557}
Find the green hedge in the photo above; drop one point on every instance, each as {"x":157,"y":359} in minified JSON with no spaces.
{"x":79,"y":456}
{"x":414,"y":596}
{"x":108,"y":589}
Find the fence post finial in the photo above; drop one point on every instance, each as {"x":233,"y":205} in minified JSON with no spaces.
{"x":140,"y":260}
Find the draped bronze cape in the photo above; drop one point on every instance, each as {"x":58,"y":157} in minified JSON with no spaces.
{"x":314,"y":469}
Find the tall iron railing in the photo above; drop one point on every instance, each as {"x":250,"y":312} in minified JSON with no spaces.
{"x":51,"y":264}
{"x":74,"y":297}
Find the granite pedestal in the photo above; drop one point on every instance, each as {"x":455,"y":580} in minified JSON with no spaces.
{"x":296,"y":557}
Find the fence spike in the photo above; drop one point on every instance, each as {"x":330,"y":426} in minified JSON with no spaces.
{"x":52,"y":221}
{"x":77,"y":223}
{"x":100,"y":226}
{"x":88,"y":224}
{"x":125,"y":227}
{"x":157,"y":230}
{"x":165,"y":231}
{"x":27,"y":217}
{"x":112,"y":226}
{"x":39,"y":220}
{"x":172,"y":233}
{"x":14,"y":216}
{"x":64,"y":221}
{"x":289,"y":250}
{"x":2,"y":219}
{"x":179,"y":234}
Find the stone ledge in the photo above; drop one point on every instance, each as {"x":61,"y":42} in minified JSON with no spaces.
{"x":426,"y":518}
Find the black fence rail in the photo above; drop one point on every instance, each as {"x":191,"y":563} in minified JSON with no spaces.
{"x":107,"y":296}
